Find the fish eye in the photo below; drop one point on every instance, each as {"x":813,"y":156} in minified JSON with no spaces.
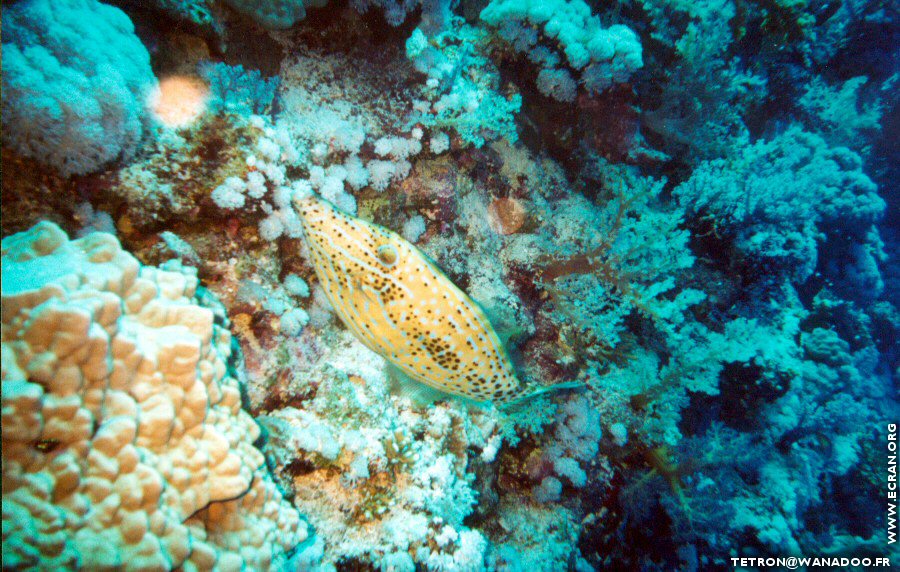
{"x":387,"y":254}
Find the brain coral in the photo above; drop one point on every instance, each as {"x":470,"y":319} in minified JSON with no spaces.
{"x":124,"y":441}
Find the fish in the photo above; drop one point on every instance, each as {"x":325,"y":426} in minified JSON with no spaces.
{"x":399,"y":304}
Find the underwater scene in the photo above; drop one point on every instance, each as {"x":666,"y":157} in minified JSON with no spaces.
{"x":450,"y":285}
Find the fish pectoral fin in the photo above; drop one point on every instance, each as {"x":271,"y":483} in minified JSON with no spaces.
{"x":361,"y":289}
{"x":370,"y":294}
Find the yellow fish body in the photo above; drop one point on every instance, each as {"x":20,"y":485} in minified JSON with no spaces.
{"x":400,"y":305}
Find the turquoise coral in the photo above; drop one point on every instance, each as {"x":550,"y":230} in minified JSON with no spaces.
{"x":75,"y":79}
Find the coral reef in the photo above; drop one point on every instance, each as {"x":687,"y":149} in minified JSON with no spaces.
{"x":462,"y":87}
{"x":822,"y":196}
{"x":274,"y":14}
{"x":397,"y":478}
{"x":602,"y":57}
{"x":675,"y":222}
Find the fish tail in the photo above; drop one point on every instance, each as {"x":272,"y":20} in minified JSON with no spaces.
{"x":537,"y":390}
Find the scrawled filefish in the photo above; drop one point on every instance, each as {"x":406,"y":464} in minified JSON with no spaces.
{"x":399,"y":304}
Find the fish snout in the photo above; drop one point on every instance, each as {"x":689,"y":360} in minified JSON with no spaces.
{"x":304,"y":203}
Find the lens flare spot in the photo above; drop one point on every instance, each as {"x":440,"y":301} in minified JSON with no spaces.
{"x":179,"y":100}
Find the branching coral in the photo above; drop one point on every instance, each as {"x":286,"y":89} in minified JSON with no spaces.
{"x":604,"y":263}
{"x":462,"y":86}
{"x":780,"y":199}
{"x":810,"y":438}
{"x":706,"y":89}
{"x":846,"y":116}
{"x":240,"y":91}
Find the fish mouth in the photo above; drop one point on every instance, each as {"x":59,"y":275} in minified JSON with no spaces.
{"x":302,"y":203}
{"x":312,"y":209}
